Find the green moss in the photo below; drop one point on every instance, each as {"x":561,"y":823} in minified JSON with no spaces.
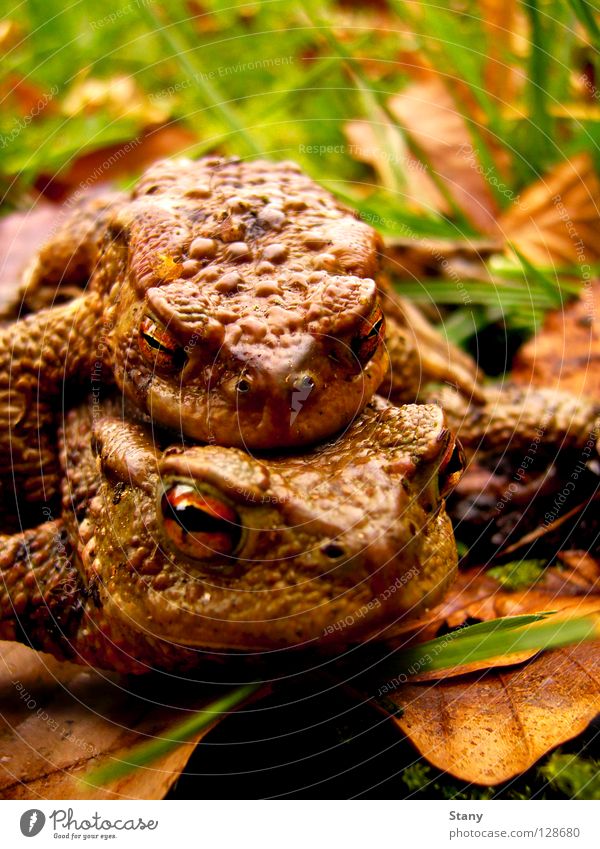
{"x":416,"y":776}
{"x":576,"y":777}
{"x":519,"y":574}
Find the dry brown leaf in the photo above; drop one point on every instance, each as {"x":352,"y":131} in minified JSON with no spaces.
{"x":532,"y":600}
{"x":20,"y":235}
{"x":118,"y":96}
{"x":556,"y":220}
{"x":428,"y":113}
{"x":21,"y":94}
{"x":488,"y":727}
{"x":565,"y":354}
{"x":58,"y":721}
{"x":580,"y":573}
{"x":499,"y":18}
{"x":476,"y":595}
{"x":383,"y":148}
{"x":471,"y":587}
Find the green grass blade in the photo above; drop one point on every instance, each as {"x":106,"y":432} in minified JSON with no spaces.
{"x":173,"y":39}
{"x":498,"y":638}
{"x":540,"y":125}
{"x":374,"y":106}
{"x":146,"y":753}
{"x":584,"y":12}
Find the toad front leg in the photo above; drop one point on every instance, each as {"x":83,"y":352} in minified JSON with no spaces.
{"x":66,"y":261}
{"x":534,"y":421}
{"x":419,"y":354}
{"x":40,"y":590}
{"x":37,"y":356}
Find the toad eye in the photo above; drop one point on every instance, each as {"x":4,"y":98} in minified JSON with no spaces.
{"x":159,"y":347}
{"x":198,"y":523}
{"x":451,"y":468}
{"x":365,"y":344}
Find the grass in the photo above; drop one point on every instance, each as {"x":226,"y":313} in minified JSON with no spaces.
{"x":281,"y":79}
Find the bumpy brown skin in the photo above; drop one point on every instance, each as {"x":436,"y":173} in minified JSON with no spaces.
{"x":523,"y":421}
{"x":261,"y":278}
{"x":231,"y":258}
{"x":338,"y":542}
{"x":420,"y":355}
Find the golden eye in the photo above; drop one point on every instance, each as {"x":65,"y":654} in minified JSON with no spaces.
{"x":159,"y":347}
{"x":365,"y":345}
{"x":451,"y":468}
{"x":199,"y":524}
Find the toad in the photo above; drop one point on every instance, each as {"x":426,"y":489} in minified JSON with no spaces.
{"x":232,"y":301}
{"x":165,"y":552}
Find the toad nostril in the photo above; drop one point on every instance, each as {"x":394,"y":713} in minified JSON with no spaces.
{"x":333,"y":551}
{"x":303,"y":383}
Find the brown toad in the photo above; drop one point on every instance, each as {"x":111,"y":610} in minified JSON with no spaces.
{"x":164,"y":553}
{"x":213,"y":299}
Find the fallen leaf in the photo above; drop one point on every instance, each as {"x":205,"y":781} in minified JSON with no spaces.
{"x":382,"y":147}
{"x":117,"y":160}
{"x":470,"y":587}
{"x":476,"y":595}
{"x":58,"y":721}
{"x":428,"y":113}
{"x":499,"y":18}
{"x":565,"y":354}
{"x":457,"y":259}
{"x":555,"y":220}
{"x":488,"y":727}
{"x":118,"y":96}
{"x":532,"y":600}
{"x":20,"y":235}
{"x":580,"y":573}
{"x":20,"y":94}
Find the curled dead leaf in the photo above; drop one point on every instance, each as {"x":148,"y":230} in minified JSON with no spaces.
{"x":555,"y":220}
{"x":565,"y":354}
{"x":428,"y":113}
{"x":59,"y":721}
{"x":488,"y":727}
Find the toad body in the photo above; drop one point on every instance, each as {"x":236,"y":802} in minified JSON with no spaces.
{"x":231,"y":301}
{"x":166,"y":551}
